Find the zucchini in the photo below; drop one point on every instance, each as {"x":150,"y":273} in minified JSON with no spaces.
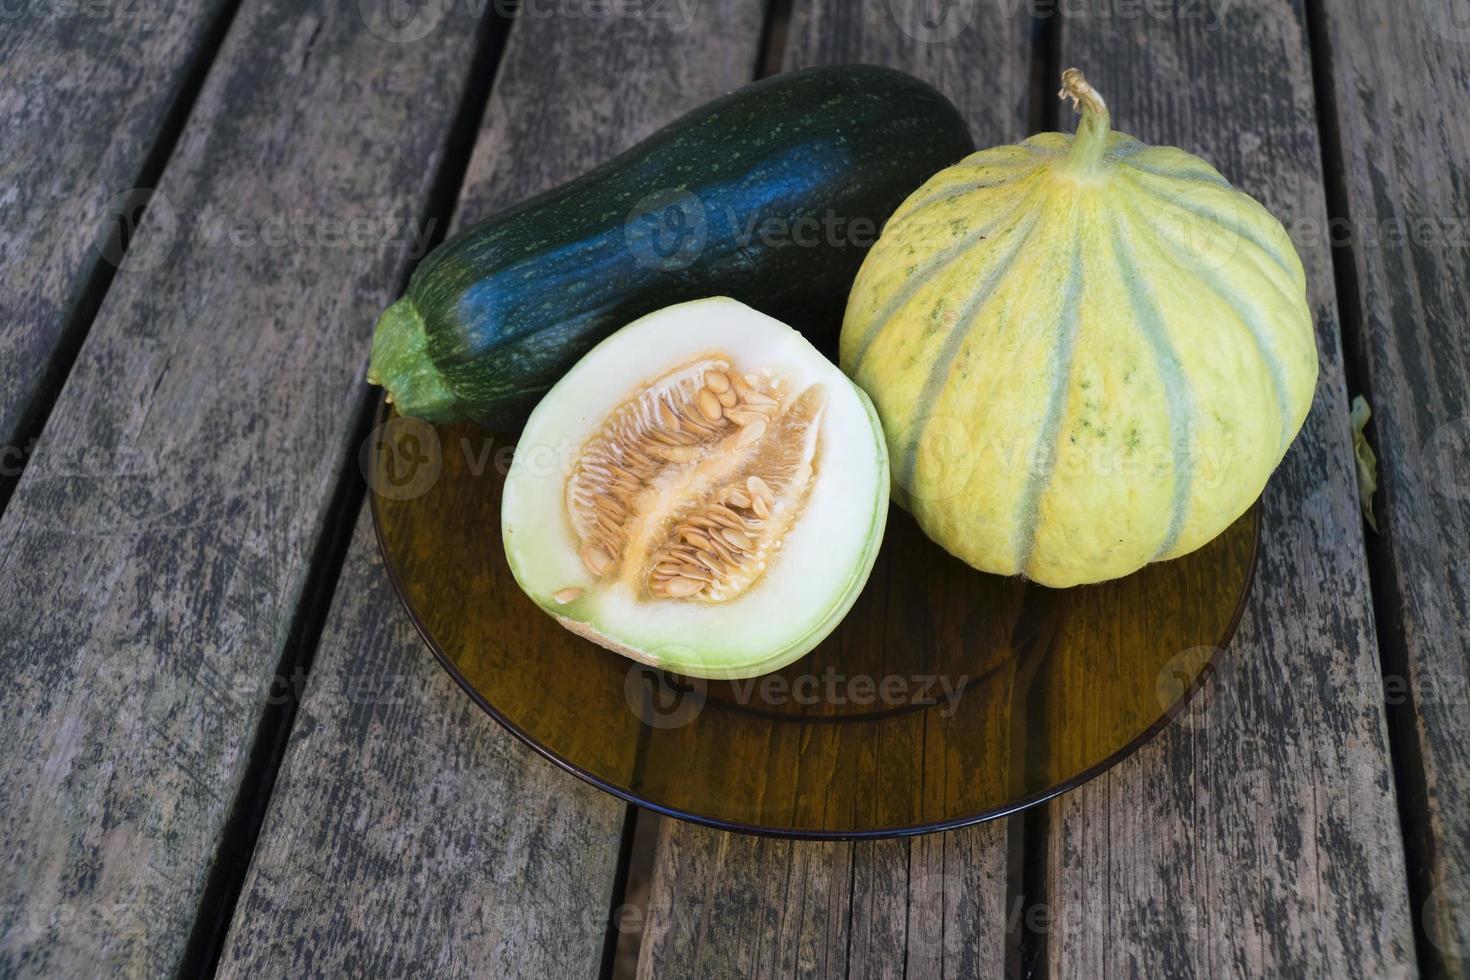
{"x":770,"y":195}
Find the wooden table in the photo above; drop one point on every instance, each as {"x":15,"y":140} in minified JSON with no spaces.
{"x":224,"y":747}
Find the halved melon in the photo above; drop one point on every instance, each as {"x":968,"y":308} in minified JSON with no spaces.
{"x":703,"y":492}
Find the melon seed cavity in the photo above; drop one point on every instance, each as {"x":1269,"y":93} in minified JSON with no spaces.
{"x":689,"y":487}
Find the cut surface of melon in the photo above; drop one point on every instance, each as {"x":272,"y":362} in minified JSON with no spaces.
{"x":703,"y":492}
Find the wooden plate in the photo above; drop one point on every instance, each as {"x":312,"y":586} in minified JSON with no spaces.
{"x":946,"y":697}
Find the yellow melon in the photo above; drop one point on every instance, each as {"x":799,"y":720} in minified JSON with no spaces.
{"x":1087,"y":353}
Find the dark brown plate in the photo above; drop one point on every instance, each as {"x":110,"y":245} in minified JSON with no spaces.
{"x":945,"y":698}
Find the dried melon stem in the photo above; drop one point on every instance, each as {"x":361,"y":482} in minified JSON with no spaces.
{"x":1091,"y":142}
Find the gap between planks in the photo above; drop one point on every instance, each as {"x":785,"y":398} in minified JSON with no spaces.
{"x":506,"y":83}
{"x":1407,"y":761}
{"x":231,"y":862}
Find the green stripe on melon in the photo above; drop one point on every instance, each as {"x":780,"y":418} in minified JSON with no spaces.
{"x":1087,"y":353}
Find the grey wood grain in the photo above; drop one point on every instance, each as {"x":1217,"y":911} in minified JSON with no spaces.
{"x":84,"y":92}
{"x":729,"y":905}
{"x":1399,"y":75}
{"x":409,"y":834}
{"x":576,"y":89}
{"x":154,"y":551}
{"x":504,"y":863}
{"x":1259,"y":835}
{"x":977,"y":53}
{"x":725,"y":905}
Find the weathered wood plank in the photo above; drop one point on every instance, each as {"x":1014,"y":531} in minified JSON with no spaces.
{"x":576,"y":90}
{"x":411,"y":835}
{"x":1399,"y":76}
{"x":977,"y":54}
{"x":517,"y":858}
{"x":1259,"y":835}
{"x":722,"y":904}
{"x":84,"y":94}
{"x":155,"y":549}
{"x":733,"y":905}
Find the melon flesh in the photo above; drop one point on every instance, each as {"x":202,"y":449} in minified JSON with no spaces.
{"x":703,"y":492}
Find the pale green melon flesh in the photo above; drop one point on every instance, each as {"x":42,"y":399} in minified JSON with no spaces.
{"x":811,"y":580}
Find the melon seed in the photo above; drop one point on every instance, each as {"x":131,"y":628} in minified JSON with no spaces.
{"x":739,"y":539}
{"x":759,"y":400}
{"x":597,"y":560}
{"x":750,"y":434}
{"x":709,"y":405}
{"x":679,"y":588}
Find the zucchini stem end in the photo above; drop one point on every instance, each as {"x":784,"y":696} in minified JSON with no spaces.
{"x":401,"y":363}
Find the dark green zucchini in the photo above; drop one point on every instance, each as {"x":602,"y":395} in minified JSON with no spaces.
{"x":771,"y":194}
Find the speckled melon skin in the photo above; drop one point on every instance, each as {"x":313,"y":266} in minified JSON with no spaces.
{"x":1084,"y":360}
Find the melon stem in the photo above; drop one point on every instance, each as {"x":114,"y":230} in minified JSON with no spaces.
{"x":1091,"y":141}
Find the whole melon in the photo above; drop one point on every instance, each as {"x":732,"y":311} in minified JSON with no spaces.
{"x":1087,"y":354}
